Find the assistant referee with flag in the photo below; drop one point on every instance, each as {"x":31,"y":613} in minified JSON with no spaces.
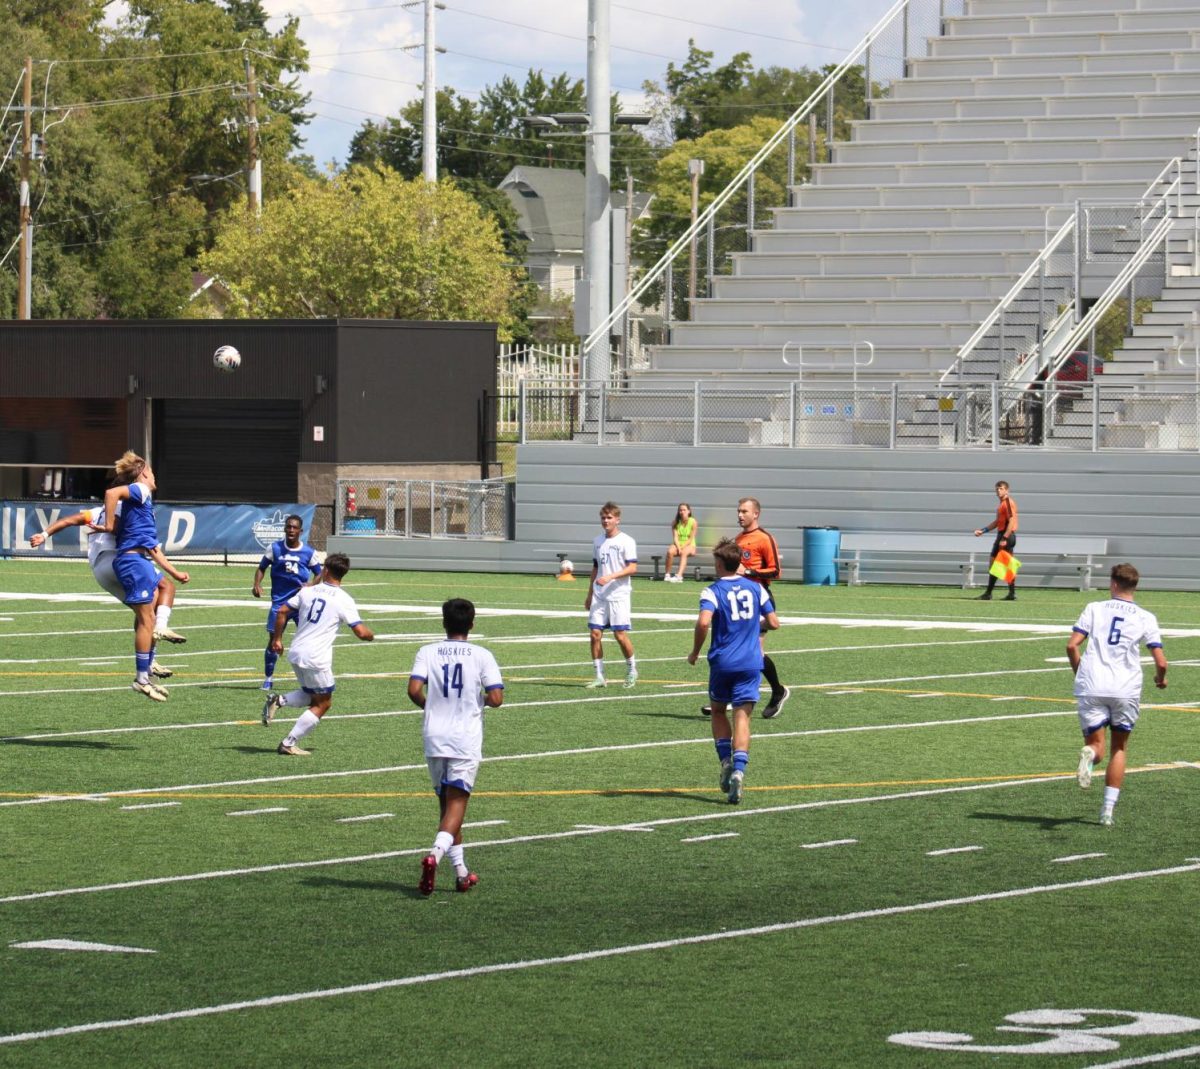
{"x":1005,"y":526}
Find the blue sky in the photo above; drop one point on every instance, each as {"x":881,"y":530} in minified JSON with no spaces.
{"x":359,"y":71}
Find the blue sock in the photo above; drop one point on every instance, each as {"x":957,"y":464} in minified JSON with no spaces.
{"x":270,"y":659}
{"x":741,"y":758}
{"x":142,"y":660}
{"x":724,"y":749}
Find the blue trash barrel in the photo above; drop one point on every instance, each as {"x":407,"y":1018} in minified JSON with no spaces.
{"x":821,"y":548}
{"x":360,"y":525}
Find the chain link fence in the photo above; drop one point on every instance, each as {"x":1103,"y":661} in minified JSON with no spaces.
{"x":423,"y":508}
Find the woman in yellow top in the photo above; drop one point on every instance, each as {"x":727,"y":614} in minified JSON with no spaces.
{"x":683,"y":542}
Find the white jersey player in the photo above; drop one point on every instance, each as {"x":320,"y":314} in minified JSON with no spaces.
{"x":319,"y":611}
{"x":609,"y":598}
{"x":1108,"y":677}
{"x":453,"y":681}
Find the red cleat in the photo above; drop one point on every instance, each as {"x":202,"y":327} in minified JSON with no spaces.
{"x":463,"y":884}
{"x":428,"y":874}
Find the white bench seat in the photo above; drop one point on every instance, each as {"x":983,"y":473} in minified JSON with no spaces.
{"x":880,"y":547}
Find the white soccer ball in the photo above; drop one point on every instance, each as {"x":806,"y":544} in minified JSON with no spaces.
{"x":566,"y":567}
{"x":227,"y":359}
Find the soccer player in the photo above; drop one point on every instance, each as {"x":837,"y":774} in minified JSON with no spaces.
{"x":609,"y":596}
{"x":293,"y":564}
{"x":129,"y":516}
{"x":736,"y":608}
{"x":1108,"y":677}
{"x":453,"y":681}
{"x":760,"y":563}
{"x":102,"y":551}
{"x":1005,"y":526}
{"x":319,"y":610}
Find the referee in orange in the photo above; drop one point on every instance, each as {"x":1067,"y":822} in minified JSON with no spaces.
{"x":1005,"y":526}
{"x":760,"y":563}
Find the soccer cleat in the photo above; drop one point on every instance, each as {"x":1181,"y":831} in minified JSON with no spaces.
{"x":462,"y":884}
{"x":167,"y":635}
{"x":773,"y":707}
{"x":1087,"y":758}
{"x":152,"y":691}
{"x":292,"y":750}
{"x":706,"y":710}
{"x":428,"y":874}
{"x":159,"y":671}
{"x":268,"y":684}
{"x":1010,"y":596}
{"x":599,"y":683}
{"x":630,"y":679}
{"x":735,"y":787}
{"x":1106,"y":818}
{"x":726,"y":775}
{"x":273,"y":702}
{"x":985,"y":596}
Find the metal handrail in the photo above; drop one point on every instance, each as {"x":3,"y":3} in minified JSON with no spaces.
{"x":855,"y":363}
{"x":743,"y":176}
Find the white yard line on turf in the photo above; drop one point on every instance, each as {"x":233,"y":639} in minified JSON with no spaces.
{"x":710,"y":838}
{"x":369,"y":816}
{"x":593,"y":955}
{"x":952,"y":850}
{"x":730,"y":813}
{"x":1149,"y":1059}
{"x":255,"y":812}
{"x":150,"y":805}
{"x":1074,"y":857}
{"x":534,"y":755}
{"x":829,"y":842}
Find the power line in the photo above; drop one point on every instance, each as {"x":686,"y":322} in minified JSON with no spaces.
{"x":145,"y":98}
{"x":729,"y":29}
{"x":144,"y":59}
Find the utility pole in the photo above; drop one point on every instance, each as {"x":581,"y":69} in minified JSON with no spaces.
{"x":25,"y":254}
{"x":253,"y":162}
{"x":597,"y":239}
{"x":429,"y":111}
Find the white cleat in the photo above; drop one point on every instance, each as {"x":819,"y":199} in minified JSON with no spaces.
{"x":152,"y":691}
{"x":292,"y":750}
{"x":599,"y":683}
{"x":631,"y":679}
{"x":275,"y":701}
{"x":735,"y":787}
{"x":1106,"y":818}
{"x":159,"y":672}
{"x":1083,"y":774}
{"x":167,"y":635}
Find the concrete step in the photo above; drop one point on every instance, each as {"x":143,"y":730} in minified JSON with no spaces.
{"x":963,"y":194}
{"x":999,"y":7}
{"x":835,"y":360}
{"x":1177,"y":56}
{"x":1068,"y":22}
{"x":1160,"y":147}
{"x":847,"y":310}
{"x":989,"y":87}
{"x":922,"y":335}
{"x":1181,"y":124}
{"x":1038,"y":105}
{"x":925,"y":217}
{"x":984,"y":238}
{"x":1083,"y":42}
{"x":792,"y":287}
{"x":860,"y":264}
{"x":841,"y":174}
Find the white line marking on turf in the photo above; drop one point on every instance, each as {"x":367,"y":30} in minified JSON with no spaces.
{"x":612,"y":827}
{"x":835,"y":693}
{"x":1009,"y":698}
{"x":150,"y":805}
{"x":722,"y":814}
{"x":933,"y":694}
{"x":591,"y":955}
{"x":1149,"y":1059}
{"x":369,"y":816}
{"x":103,"y":796}
{"x":255,"y":812}
{"x":484,"y":823}
{"x":952,"y":850}
{"x":828,"y":842}
{"x":710,"y":838}
{"x":1074,"y":857}
{"x":78,"y":944}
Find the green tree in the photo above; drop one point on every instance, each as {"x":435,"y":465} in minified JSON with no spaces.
{"x":366,"y":244}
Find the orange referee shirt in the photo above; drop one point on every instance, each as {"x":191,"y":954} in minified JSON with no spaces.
{"x":760,"y":553}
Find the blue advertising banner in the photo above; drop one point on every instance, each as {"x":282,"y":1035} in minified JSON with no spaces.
{"x":181,"y":528}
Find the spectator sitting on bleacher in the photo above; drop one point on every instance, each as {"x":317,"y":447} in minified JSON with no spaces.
{"x":683,"y":542}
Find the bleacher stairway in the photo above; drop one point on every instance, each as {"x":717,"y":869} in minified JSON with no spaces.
{"x":939,"y":200}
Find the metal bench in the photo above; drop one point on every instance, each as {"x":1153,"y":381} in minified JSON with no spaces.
{"x":908,"y":547}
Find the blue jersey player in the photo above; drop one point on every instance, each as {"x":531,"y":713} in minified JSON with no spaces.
{"x":292,"y":564}
{"x":735,"y":608}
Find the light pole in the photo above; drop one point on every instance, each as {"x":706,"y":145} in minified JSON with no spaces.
{"x":597,"y":236}
{"x":695,"y":170}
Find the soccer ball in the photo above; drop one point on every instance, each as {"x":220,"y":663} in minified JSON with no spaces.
{"x":227,"y":359}
{"x":566,"y":568}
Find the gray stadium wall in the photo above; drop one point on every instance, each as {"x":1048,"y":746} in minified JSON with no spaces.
{"x":1146,"y":504}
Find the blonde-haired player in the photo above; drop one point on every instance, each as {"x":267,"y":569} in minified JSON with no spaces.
{"x":1108,"y":677}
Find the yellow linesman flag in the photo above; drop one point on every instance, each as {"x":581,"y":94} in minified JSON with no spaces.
{"x":1005,"y":566}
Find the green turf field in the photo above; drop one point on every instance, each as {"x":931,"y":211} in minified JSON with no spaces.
{"x":912,"y":879}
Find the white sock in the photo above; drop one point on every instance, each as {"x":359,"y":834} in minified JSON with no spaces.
{"x":306,"y":722}
{"x":442,"y":844}
{"x":1110,"y":796}
{"x":599,"y":663}
{"x":458,"y":861}
{"x":631,"y":663}
{"x":296,"y":699}
{"x":162,"y":617}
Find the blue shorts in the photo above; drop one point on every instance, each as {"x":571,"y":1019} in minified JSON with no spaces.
{"x":138,"y":577}
{"x":274,"y":613}
{"x":733,"y":688}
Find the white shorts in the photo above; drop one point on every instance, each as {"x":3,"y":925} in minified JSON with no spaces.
{"x":102,"y":569}
{"x":452,"y":772}
{"x":1120,"y":714}
{"x":611,"y":613}
{"x":314,"y":680}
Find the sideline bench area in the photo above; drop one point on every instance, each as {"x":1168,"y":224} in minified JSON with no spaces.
{"x":879,"y":547}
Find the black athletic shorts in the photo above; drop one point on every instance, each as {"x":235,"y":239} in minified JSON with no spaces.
{"x":1012,"y":544}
